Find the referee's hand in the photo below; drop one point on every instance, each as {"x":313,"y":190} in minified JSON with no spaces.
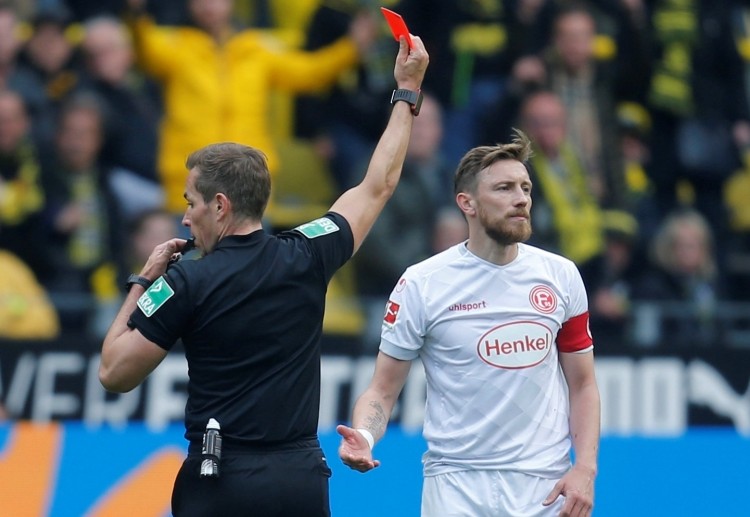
{"x":159,"y":259}
{"x":354,"y":450}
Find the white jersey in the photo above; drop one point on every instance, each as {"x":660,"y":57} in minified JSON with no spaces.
{"x":488,"y":337}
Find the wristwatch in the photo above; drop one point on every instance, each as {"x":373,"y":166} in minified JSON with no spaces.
{"x":412,"y":97}
{"x":137,"y":279}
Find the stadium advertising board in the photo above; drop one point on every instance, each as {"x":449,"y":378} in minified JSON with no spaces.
{"x":650,"y":395}
{"x":670,"y":423}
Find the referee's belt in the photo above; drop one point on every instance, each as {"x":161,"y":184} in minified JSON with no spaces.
{"x":232,"y":446}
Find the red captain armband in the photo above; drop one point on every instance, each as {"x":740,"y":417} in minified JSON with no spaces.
{"x":574,"y":334}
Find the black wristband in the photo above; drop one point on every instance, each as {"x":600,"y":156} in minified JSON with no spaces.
{"x":137,"y":279}
{"x":412,"y":97}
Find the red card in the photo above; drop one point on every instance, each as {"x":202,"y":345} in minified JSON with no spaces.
{"x":397,"y":24}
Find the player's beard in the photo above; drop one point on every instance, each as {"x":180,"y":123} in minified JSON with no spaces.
{"x":505,"y":231}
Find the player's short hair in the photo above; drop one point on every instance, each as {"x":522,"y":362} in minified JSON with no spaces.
{"x":479,"y":158}
{"x":238,"y":171}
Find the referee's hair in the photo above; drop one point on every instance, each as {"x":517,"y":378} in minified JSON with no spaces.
{"x":238,"y":171}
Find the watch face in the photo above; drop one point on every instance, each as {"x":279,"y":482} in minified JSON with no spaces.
{"x":415,"y":109}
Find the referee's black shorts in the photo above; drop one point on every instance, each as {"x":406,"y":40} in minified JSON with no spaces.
{"x":288,"y":481}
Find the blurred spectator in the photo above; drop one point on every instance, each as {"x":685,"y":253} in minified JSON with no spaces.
{"x":425,"y":153}
{"x":683,"y":273}
{"x":566,"y":214}
{"x":149,"y":229}
{"x":472,"y":47}
{"x":589,"y":87}
{"x":634,"y":124}
{"x":741,"y":28}
{"x":26,"y":312}
{"x":610,"y":277}
{"x":21,"y":192}
{"x":737,"y":248}
{"x":404,"y":232}
{"x":82,"y":10}
{"x":402,"y":235}
{"x":10,"y":42}
{"x":698,"y":104}
{"x":345,"y":123}
{"x":132,"y":101}
{"x":83,"y":212}
{"x":12,"y":76}
{"x":51,"y":56}
{"x":217,"y":81}
{"x":168,"y":12}
{"x":450,"y":229}
{"x":145,"y":230}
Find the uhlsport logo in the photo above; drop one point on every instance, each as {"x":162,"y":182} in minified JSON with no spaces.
{"x":515,"y":345}
{"x":543,"y":299}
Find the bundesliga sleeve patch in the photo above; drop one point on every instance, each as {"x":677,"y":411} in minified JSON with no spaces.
{"x":391,"y":313}
{"x":317,"y":228}
{"x":155,"y":296}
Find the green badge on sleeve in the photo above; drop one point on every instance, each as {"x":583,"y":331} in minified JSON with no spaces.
{"x":318,"y":227}
{"x":155,"y":296}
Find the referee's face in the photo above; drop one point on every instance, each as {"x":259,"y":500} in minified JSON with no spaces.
{"x":199,"y":216}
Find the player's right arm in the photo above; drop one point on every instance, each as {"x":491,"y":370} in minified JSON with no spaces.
{"x":372,"y":412}
{"x":361,"y":205}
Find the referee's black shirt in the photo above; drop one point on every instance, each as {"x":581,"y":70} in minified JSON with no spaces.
{"x":250,"y":315}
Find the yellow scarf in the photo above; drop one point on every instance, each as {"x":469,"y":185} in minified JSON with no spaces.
{"x":676,"y":28}
{"x":22,"y":195}
{"x":576,"y":214}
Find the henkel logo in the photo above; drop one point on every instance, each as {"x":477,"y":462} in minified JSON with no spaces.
{"x":515,"y":345}
{"x":391,"y":313}
{"x":543,"y":299}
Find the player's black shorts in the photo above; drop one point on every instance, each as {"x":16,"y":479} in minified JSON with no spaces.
{"x":290,"y":481}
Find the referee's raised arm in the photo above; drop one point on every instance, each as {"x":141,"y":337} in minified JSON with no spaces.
{"x":362,"y":204}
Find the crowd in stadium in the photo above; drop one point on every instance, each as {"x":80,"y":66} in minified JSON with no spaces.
{"x":637,"y":109}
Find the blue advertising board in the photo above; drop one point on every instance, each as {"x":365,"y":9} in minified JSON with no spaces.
{"x":68,"y":469}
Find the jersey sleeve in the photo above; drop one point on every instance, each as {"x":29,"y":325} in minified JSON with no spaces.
{"x":163,"y":311}
{"x":575,"y":335}
{"x":403,"y":328}
{"x":331,"y":240}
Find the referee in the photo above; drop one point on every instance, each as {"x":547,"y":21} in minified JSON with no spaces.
{"x":250,"y":315}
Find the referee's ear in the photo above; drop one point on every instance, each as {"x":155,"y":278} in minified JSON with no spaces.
{"x":222,"y":204}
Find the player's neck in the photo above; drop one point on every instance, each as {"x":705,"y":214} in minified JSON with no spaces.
{"x":491,"y":251}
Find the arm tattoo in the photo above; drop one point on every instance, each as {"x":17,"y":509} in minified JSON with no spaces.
{"x":376,"y":420}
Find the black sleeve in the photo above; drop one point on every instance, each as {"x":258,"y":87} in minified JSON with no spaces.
{"x":331,"y":241}
{"x":163,"y":311}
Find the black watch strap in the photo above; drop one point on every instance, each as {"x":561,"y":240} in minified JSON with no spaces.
{"x":137,"y":279}
{"x":412,"y":97}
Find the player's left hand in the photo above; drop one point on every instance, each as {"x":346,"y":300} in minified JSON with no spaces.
{"x":577,"y":486}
